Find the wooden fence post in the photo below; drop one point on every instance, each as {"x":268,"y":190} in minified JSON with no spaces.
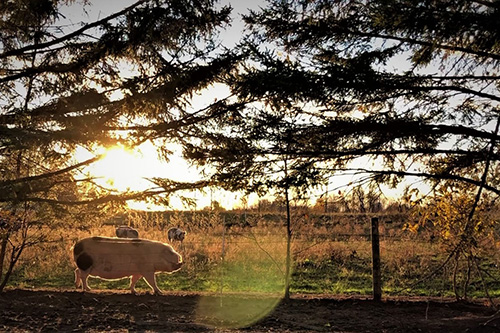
{"x":377,"y":281}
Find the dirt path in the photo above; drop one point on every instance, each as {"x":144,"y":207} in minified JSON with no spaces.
{"x":115,"y":311}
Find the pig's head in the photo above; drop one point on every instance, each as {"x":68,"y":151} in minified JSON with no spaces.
{"x":170,"y":259}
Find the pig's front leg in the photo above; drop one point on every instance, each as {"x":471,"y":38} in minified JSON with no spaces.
{"x":151,"y":279}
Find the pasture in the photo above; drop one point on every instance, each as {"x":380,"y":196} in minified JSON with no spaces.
{"x":233,"y":277}
{"x":330,"y":255}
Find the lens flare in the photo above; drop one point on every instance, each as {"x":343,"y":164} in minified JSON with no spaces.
{"x":234,"y":311}
{"x":248,"y":283}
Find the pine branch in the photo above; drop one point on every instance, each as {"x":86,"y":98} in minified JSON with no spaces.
{"x":443,"y":176}
{"x":6,"y":183}
{"x":40,"y":46}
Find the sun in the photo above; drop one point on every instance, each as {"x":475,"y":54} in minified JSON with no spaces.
{"x":122,"y":169}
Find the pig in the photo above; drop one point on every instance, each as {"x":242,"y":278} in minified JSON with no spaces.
{"x":176,"y":234}
{"x":116,"y":258}
{"x":124,"y":231}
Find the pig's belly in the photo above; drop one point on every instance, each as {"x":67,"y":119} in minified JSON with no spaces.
{"x":111,"y":275}
{"x":111,"y":268}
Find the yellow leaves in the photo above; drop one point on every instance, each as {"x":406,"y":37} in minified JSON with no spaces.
{"x":413,"y":228}
{"x":446,"y":216}
{"x":445,"y":234}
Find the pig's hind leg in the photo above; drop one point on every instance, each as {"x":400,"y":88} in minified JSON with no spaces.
{"x":81,"y":279}
{"x":78,"y":278}
{"x":133,"y":281}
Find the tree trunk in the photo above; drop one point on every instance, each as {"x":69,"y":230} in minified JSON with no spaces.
{"x":7,"y":275}
{"x":3,"y":250}
{"x":16,"y":253}
{"x":288,"y":238}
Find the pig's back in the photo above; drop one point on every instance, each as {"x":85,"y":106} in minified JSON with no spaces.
{"x":114,"y":245}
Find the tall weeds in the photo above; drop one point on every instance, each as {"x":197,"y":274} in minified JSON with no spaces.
{"x":332,"y":257}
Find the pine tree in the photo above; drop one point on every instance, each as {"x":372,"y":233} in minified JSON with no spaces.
{"x":85,"y":84}
{"x":123,"y":78}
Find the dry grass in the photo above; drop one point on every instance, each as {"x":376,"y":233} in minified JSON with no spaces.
{"x":331,"y":257}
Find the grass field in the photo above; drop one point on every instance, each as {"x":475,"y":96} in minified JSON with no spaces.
{"x":332,"y":258}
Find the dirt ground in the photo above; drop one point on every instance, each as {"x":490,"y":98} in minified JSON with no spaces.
{"x":118,"y":311}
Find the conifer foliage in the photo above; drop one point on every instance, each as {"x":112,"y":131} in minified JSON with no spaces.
{"x":125,"y":77}
{"x":412,"y":85}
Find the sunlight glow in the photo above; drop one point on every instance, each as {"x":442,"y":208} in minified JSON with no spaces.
{"x":260,"y":277}
{"x":123,"y":169}
{"x":119,"y":169}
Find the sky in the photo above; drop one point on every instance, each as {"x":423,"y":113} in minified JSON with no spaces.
{"x":98,"y":9}
{"x":123,"y":169}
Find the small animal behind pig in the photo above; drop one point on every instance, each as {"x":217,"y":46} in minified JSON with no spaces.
{"x":124,"y":231}
{"x":176,"y":234}
{"x":117,"y":258}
